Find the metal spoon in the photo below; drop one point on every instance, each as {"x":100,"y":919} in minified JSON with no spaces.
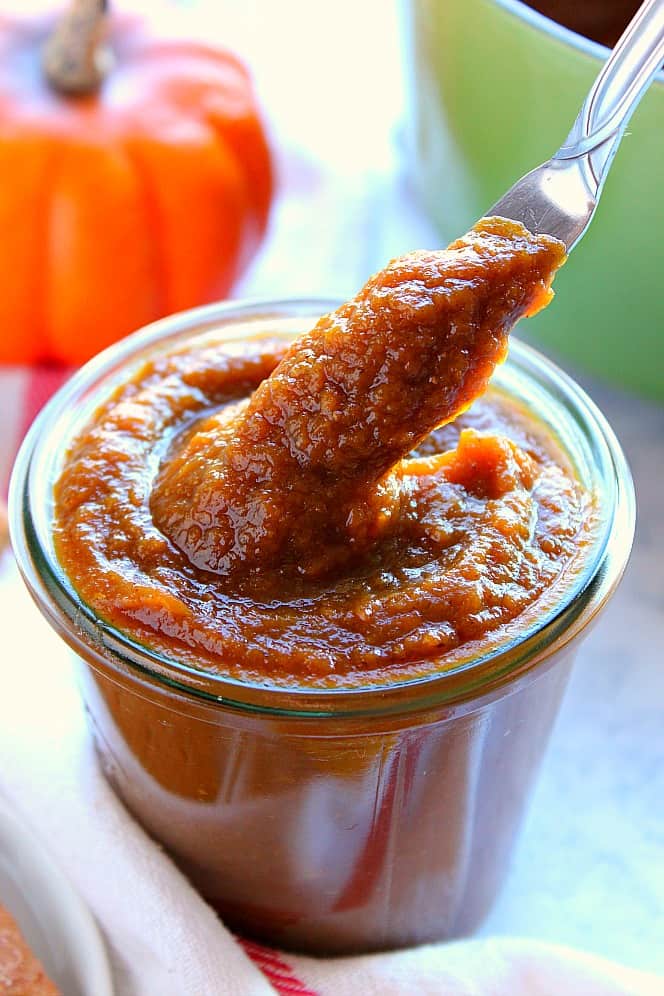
{"x":560,"y":196}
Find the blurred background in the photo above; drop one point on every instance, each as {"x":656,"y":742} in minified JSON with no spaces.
{"x":393,"y":126}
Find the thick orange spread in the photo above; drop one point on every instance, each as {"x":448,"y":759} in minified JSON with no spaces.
{"x":299,"y":515}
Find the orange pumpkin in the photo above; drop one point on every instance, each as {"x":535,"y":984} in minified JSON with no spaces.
{"x":127,"y":192}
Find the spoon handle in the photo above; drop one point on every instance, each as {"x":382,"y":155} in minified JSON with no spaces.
{"x":560,"y":196}
{"x":624,"y":77}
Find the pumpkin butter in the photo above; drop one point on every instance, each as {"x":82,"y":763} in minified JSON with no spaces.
{"x":332,"y":511}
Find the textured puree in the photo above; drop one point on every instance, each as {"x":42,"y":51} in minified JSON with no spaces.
{"x":299,"y":515}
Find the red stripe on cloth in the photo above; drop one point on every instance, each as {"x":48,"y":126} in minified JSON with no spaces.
{"x":42,"y":383}
{"x":37,"y":384}
{"x":275,"y":969}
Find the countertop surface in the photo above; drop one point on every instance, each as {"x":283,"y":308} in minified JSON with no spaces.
{"x":589,"y":866}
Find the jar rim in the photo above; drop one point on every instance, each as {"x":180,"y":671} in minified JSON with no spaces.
{"x":100,"y":642}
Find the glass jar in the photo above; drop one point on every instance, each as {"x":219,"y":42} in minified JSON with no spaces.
{"x":329,"y":820}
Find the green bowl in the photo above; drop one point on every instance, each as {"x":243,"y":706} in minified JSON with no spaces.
{"x":493,"y":89}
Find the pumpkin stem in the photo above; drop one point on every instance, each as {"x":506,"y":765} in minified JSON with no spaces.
{"x":76,"y":59}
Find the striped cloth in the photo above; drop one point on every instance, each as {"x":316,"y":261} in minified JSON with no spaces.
{"x":23,"y":392}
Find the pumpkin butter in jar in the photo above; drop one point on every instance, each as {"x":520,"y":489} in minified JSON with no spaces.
{"x":309,"y":521}
{"x":326,"y":583}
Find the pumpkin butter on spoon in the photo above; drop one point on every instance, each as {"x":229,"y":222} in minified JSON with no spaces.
{"x":299,"y":516}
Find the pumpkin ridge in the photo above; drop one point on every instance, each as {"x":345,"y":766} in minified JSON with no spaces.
{"x":97,"y":267}
{"x":46,"y":352}
{"x":155,"y":227}
{"x":226,"y":199}
{"x":249,"y":238}
{"x":23,"y":336}
{"x":257,"y":171}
